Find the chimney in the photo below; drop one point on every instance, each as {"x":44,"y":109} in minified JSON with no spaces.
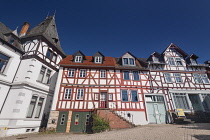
{"x":24,"y":29}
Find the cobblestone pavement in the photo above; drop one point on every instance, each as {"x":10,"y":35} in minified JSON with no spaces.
{"x":197,"y":131}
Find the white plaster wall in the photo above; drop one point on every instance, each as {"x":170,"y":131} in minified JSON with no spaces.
{"x":12,"y":65}
{"x":3,"y":93}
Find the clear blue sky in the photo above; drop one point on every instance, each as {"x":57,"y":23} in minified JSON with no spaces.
{"x":116,"y":26}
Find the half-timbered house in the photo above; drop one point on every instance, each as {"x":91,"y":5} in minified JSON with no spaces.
{"x":139,"y":90}
{"x":28,"y":71}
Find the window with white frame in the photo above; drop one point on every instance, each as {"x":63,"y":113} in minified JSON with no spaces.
{"x":80,"y":94}
{"x":177,"y":78}
{"x":71,"y":72}
{"x":206,"y":101}
{"x":67,"y":94}
{"x":3,"y":62}
{"x":124,"y":95}
{"x":155,"y":59}
{"x":201,"y":78}
{"x":39,"y":107}
{"x":204,"y":78}
{"x":134,"y":96}
{"x":180,"y":100}
{"x":193,"y":61}
{"x":96,"y":96}
{"x":171,"y":61}
{"x":44,"y":75}
{"x":129,"y":61}
{"x":82,"y":73}
{"x":167,"y":77}
{"x":32,"y":106}
{"x":98,"y":59}
{"x":103,"y":74}
{"x":110,"y":97}
{"x":135,"y":75}
{"x":78,"y":59}
{"x":178,"y":62}
{"x":126,"y":75}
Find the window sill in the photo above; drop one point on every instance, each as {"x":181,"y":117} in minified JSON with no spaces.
{"x":43,"y":83}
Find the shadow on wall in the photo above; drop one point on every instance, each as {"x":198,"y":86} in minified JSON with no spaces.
{"x":202,"y":137}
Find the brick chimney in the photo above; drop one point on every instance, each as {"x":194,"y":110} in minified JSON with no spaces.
{"x":24,"y":29}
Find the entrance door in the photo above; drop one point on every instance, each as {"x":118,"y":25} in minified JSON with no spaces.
{"x":81,"y":122}
{"x":62,"y":121}
{"x":196,"y":102}
{"x":103,"y":100}
{"x":156,"y":113}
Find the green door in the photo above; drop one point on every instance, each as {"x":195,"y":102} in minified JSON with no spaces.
{"x":62,"y":121}
{"x":81,"y":122}
{"x":156,"y":113}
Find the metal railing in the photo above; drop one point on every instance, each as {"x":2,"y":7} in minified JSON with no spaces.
{"x":122,"y":113}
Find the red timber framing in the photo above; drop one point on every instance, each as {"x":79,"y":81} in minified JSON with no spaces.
{"x":100,"y":92}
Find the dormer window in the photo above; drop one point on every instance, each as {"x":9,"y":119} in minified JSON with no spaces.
{"x":78,"y":59}
{"x":98,"y":59}
{"x":12,"y":40}
{"x":193,"y":61}
{"x":178,"y":62}
{"x":155,"y":59}
{"x":128,"y":61}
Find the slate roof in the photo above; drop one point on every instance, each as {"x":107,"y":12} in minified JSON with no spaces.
{"x":47,"y":29}
{"x":108,"y":62}
{"x":3,"y":30}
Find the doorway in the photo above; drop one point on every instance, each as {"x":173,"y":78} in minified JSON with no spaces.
{"x":103,"y":100}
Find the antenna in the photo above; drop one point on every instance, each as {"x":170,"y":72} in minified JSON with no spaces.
{"x":47,"y":15}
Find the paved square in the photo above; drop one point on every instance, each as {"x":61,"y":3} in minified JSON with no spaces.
{"x":197,"y":131}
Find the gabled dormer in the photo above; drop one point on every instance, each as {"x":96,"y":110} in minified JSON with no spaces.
{"x":192,"y":59}
{"x":155,"y":58}
{"x":98,"y":58}
{"x":78,"y":57}
{"x":128,"y":59}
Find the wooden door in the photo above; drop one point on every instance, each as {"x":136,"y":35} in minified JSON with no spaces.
{"x":103,"y":100}
{"x":62,"y":121}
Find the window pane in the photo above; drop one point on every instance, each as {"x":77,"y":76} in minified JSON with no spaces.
{"x":126,"y":75}
{"x":49,"y":52}
{"x":103,"y":74}
{"x":204,"y":78}
{"x":171,"y":61}
{"x":131,"y":60}
{"x":135,"y":75}
{"x":3,"y":62}
{"x":31,"y":106}
{"x":134,"y":96}
{"x":41,"y":74}
{"x":178,"y":62}
{"x":124,"y":95}
{"x":39,"y":107}
{"x":71,"y":73}
{"x":125,"y":61}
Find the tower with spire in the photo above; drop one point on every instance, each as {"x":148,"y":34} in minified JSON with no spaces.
{"x":28,"y":72}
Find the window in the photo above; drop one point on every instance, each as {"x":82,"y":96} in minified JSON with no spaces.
{"x":80,"y":94}
{"x":178,"y":62}
{"x":78,"y":59}
{"x":51,"y":55}
{"x":154,"y":98}
{"x":177,"y":77}
{"x":204,"y":78}
{"x":71,"y":73}
{"x":31,"y":107}
{"x":180,"y":100}
{"x":155,"y":59}
{"x":197,"y":78}
{"x":96,"y":96}
{"x":44,"y":75}
{"x":67,"y":94}
{"x":98,"y":59}
{"x":124,"y":95}
{"x":135,"y":75}
{"x":128,"y":61}
{"x":134,"y":96}
{"x":12,"y":40}
{"x":167,"y":77}
{"x":193,"y":61}
{"x":206,"y":101}
{"x":82,"y":73}
{"x":103,"y":73}
{"x":110,"y":97}
{"x":126,"y":75}
{"x":3,"y":62}
{"x":39,"y":107}
{"x":171,"y":61}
